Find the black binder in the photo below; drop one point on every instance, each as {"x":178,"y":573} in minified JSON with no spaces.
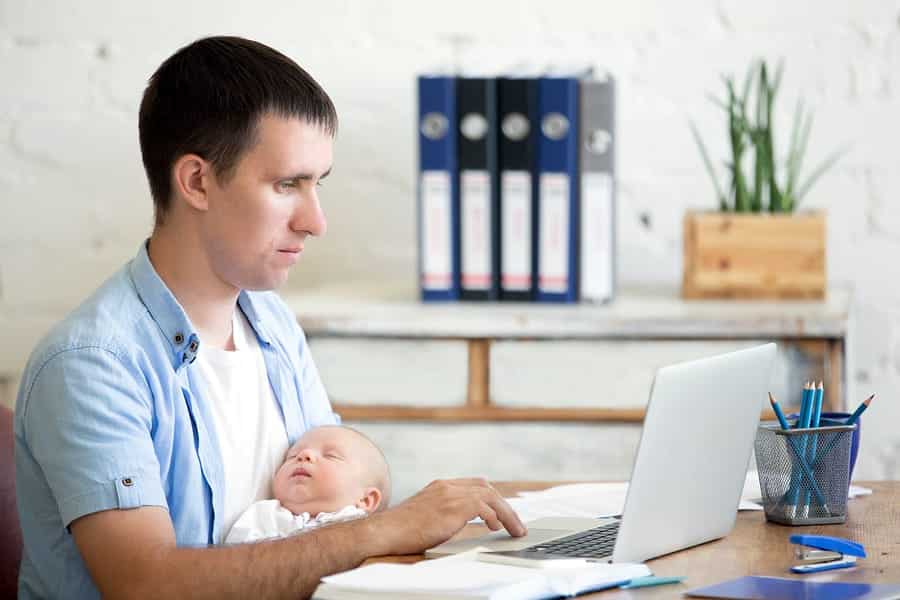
{"x":517,"y":100}
{"x":476,"y":103}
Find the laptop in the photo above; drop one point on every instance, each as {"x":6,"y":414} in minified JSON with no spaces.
{"x":687,"y":477}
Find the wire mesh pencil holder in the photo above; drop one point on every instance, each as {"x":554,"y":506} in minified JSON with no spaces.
{"x":804,"y":474}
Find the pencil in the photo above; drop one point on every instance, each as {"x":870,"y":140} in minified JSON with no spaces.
{"x":859,"y":410}
{"x":780,"y":415}
{"x":807,"y":472}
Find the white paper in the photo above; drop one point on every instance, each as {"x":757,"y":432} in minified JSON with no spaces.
{"x":593,"y":500}
{"x":464,"y":575}
{"x":459,"y":576}
{"x":475,"y":203}
{"x":553,"y":268}
{"x":515,"y":235}
{"x":596,"y":236}
{"x":436,"y":237}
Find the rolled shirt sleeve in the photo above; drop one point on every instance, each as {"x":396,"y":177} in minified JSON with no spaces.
{"x":88,"y":422}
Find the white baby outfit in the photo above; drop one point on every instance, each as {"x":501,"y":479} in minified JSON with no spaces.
{"x":267,"y":519}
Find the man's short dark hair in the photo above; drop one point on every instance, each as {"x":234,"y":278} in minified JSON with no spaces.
{"x":207,"y":99}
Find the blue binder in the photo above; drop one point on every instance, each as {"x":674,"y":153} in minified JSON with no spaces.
{"x":437,"y":187}
{"x":558,"y":185}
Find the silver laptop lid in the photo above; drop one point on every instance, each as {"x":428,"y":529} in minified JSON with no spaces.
{"x":693,"y":454}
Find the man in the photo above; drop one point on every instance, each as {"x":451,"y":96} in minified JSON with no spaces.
{"x":157,"y":411}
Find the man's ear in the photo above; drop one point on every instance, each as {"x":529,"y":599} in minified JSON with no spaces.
{"x":370,"y":501}
{"x":190,"y":180}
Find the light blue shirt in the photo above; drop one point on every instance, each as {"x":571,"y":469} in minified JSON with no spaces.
{"x":111,"y":415}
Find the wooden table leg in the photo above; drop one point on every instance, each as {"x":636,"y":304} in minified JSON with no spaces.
{"x":836,"y":390}
{"x":479,"y":394}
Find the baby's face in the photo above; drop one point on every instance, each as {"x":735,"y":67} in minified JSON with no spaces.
{"x":324,"y":472}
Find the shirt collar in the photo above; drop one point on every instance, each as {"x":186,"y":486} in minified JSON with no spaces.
{"x":164,"y":309}
{"x":171,"y":317}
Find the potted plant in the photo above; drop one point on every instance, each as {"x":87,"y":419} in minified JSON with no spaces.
{"x":757,"y":245}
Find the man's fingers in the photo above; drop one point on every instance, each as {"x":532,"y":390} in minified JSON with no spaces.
{"x":504,"y":513}
{"x":489,"y":516}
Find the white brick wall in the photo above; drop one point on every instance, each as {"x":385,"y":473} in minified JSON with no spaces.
{"x":75,"y":203}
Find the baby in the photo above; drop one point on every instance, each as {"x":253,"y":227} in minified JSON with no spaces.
{"x":332,"y":473}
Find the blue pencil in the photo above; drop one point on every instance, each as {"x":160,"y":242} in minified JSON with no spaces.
{"x":859,"y":410}
{"x":818,"y":396}
{"x":794,"y":496}
{"x":780,"y":415}
{"x":803,"y":466}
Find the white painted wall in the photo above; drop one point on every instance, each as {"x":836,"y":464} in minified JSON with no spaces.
{"x":75,"y":203}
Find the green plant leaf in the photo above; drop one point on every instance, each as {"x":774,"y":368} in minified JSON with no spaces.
{"x":720,"y":194}
{"x":779,"y":71}
{"x":791,"y":165}
{"x":718,"y":102}
{"x":819,"y":171}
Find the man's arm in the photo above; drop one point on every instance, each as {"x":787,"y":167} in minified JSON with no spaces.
{"x":132,"y":553}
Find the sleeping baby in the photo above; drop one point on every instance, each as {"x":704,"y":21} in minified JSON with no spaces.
{"x":331,"y":474}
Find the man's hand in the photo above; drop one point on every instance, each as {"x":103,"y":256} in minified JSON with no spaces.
{"x":440,"y":510}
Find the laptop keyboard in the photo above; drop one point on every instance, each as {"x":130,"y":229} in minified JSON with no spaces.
{"x":592,"y":543}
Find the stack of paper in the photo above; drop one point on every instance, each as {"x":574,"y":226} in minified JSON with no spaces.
{"x":594,"y":500}
{"x":463,"y":576}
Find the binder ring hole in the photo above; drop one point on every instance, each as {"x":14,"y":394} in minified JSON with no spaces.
{"x":434,"y":126}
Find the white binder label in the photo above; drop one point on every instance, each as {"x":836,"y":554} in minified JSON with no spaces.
{"x":515,"y":235}
{"x":597,"y":236}
{"x":475,"y":206}
{"x":553,"y":261}
{"x":437,"y":248}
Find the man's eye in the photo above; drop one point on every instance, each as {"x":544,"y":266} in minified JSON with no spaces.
{"x":333,"y":455}
{"x":284,"y":185}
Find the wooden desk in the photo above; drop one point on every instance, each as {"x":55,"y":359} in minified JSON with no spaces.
{"x":757,"y":547}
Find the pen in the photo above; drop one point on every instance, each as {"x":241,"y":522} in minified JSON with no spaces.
{"x":651,"y":580}
{"x":859,"y":410}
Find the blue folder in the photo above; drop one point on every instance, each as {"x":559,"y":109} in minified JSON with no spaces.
{"x":438,"y":189}
{"x":765,"y":588}
{"x":558,"y":185}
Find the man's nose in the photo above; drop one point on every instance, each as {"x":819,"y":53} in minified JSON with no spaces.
{"x":308,"y":215}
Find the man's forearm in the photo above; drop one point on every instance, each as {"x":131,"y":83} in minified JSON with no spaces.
{"x":287,"y":568}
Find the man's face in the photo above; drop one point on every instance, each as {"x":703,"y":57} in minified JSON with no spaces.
{"x":257,"y":223}
{"x":324,"y":471}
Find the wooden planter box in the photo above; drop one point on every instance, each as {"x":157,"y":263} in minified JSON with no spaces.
{"x":730,"y":255}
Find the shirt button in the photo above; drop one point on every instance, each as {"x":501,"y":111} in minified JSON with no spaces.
{"x":179,"y":337}
{"x":128,"y":482}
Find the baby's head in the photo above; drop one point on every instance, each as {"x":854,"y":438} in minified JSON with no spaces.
{"x":331,"y":467}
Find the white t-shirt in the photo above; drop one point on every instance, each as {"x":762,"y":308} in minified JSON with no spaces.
{"x":251,"y":432}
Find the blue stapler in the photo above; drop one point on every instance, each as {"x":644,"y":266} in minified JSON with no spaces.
{"x":824,"y":553}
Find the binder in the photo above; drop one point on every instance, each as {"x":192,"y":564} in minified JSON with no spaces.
{"x":438,"y":196}
{"x":517,"y":100}
{"x":558,"y":186}
{"x":476,"y":101}
{"x":597,"y":267}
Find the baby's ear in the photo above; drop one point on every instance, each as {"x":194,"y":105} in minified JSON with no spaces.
{"x":370,"y":501}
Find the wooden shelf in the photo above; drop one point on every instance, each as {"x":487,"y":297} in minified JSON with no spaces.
{"x":469,"y":414}
{"x":819,"y":327}
{"x":635,"y":314}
